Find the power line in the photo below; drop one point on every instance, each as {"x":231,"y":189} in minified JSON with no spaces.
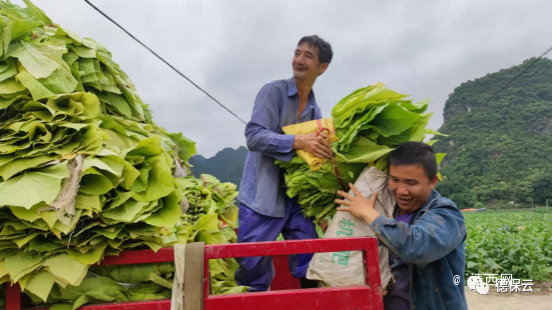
{"x":510,"y":81}
{"x":166,"y":62}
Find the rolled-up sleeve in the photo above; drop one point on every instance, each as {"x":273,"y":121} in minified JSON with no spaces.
{"x":262,"y":130}
{"x":433,"y":236}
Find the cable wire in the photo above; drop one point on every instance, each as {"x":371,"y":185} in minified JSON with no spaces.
{"x":510,"y":81}
{"x":166,"y":62}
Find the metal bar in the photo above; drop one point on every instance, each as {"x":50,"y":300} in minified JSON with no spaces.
{"x":373,"y":279}
{"x":13,"y":297}
{"x":351,"y":297}
{"x":288,"y":247}
{"x":161,"y":304}
{"x":140,"y":257}
{"x":206,"y":279}
{"x":282,"y":278}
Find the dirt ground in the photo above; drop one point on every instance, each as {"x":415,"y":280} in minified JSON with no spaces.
{"x":540,"y":300}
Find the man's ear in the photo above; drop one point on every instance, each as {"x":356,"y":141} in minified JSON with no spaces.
{"x":323,"y":68}
{"x":433,"y":182}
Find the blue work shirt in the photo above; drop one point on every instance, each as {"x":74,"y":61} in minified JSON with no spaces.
{"x":433,"y":248}
{"x":276,"y":106}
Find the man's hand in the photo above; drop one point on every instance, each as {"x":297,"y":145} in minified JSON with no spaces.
{"x":358,"y":206}
{"x":317,"y":146}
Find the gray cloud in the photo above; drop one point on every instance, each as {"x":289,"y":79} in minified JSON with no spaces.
{"x":231,"y":48}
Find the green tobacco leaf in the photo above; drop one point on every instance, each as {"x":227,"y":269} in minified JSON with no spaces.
{"x":31,"y":188}
{"x":418,"y":107}
{"x":19,"y":266}
{"x":125,"y":213}
{"x":169,"y":214}
{"x":72,"y":293}
{"x":37,"y":89}
{"x":393,"y":120}
{"x":94,"y":182}
{"x":102,"y":294}
{"x":7,"y":69}
{"x":160,"y":281}
{"x":439,"y":157}
{"x":357,"y":153}
{"x":37,"y":12}
{"x":160,"y":180}
{"x":91,"y":257}
{"x":40,"y":284}
{"x":64,"y":267}
{"x":40,"y":60}
{"x":11,"y":86}
{"x":206,"y":222}
{"x":15,"y":166}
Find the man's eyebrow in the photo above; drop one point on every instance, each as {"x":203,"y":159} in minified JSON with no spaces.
{"x":406,"y":180}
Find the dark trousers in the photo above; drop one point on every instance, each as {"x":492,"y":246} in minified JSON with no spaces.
{"x":258,"y":272}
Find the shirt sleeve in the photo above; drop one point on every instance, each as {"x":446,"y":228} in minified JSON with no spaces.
{"x":261,"y":131}
{"x":435,"y":234}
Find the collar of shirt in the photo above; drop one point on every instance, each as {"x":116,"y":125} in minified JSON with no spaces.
{"x":292,"y":91}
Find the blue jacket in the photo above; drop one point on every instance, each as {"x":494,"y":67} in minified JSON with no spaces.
{"x":276,"y":106}
{"x":433,"y":248}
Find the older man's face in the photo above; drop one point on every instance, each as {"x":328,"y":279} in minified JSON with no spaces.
{"x":306,"y":63}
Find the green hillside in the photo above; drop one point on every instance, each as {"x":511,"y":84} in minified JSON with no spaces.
{"x":500,"y":152}
{"x":226,"y":165}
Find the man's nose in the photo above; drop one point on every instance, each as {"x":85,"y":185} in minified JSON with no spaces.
{"x":299,"y":59}
{"x":402,"y":190}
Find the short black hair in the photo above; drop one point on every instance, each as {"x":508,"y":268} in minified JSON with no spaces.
{"x":324,"y":48}
{"x":415,"y":153}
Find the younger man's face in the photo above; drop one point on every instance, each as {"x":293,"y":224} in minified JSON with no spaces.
{"x":410,"y":186}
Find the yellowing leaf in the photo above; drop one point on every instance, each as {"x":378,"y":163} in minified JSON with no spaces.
{"x":41,"y":284}
{"x":31,"y":188}
{"x":38,"y":59}
{"x":67,"y":269}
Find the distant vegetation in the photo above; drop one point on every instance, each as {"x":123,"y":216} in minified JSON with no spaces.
{"x":516,"y":243}
{"x":226,"y":165}
{"x":499,"y":154}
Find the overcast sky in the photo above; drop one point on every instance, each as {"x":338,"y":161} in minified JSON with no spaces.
{"x":232,"y":48}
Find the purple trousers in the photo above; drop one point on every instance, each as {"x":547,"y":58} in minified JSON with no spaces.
{"x":258,"y":272}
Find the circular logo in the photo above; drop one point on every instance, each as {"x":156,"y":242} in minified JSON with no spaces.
{"x":456,"y":280}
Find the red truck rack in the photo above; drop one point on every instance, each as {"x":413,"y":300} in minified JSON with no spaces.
{"x":282,"y":294}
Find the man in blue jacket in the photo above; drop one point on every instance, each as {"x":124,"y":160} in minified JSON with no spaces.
{"x":425,"y":238}
{"x":265,"y":211}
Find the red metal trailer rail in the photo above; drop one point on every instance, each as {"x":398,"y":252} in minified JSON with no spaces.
{"x":362,"y":297}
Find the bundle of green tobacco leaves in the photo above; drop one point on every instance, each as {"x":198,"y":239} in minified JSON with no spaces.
{"x":84,"y":171}
{"x":369,"y":123}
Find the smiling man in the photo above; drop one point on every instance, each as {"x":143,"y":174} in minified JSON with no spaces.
{"x":265,"y":211}
{"x":425,"y":238}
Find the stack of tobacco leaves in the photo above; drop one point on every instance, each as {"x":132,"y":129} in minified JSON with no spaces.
{"x":369,"y":123}
{"x":85,"y":172}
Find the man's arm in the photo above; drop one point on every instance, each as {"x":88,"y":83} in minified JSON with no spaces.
{"x":261,"y":135}
{"x":433,"y":236}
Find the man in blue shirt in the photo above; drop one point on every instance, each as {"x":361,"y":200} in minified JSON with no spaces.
{"x":426,"y":237}
{"x":265,"y":211}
